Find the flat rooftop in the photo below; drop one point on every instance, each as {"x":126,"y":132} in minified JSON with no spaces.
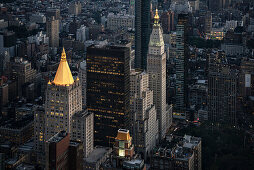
{"x":97,"y":154}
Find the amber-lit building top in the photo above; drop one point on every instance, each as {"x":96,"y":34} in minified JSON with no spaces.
{"x":108,"y":71}
{"x":123,"y":144}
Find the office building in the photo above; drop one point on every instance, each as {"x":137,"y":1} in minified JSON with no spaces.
{"x":156,"y":69}
{"x":144,"y":120}
{"x":181,"y":66}
{"x":167,"y":21}
{"x":120,"y":22}
{"x":83,"y":130}
{"x":222,"y":91}
{"x":53,"y":12}
{"x":63,"y":100}
{"x":108,"y":93}
{"x":208,"y":22}
{"x":52,"y":28}
{"x":246,"y":78}
{"x":75,"y":8}
{"x":142,"y":32}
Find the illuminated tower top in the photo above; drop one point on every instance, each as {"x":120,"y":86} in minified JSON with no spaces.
{"x":63,"y":75}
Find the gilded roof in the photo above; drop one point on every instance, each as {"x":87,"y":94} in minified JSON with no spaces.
{"x":63,"y":75}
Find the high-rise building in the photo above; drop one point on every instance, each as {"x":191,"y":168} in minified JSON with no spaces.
{"x":53,"y":12}
{"x":52,"y":28}
{"x":222,"y":91}
{"x":63,"y":112}
{"x":75,"y":8}
{"x":63,"y":100}
{"x":142,"y":32}
{"x":181,"y":66}
{"x":246,"y":78}
{"x":82,"y":76}
{"x":167,"y":21}
{"x":156,"y":68}
{"x":83,"y":130}
{"x":108,"y":91}
{"x":144,"y":118}
{"x":24,"y":72}
{"x":208,"y":22}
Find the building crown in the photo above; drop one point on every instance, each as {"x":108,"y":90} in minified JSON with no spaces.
{"x":156,"y":17}
{"x":63,"y":75}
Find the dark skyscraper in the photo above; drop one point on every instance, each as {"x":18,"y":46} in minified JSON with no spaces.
{"x":222,"y":91}
{"x":108,"y":94}
{"x":142,"y":32}
{"x":181,"y":64}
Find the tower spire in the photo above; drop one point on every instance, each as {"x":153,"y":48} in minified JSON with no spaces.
{"x":63,"y":75}
{"x":156,"y":17}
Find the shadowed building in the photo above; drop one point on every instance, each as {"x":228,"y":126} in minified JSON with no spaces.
{"x":108,"y":74}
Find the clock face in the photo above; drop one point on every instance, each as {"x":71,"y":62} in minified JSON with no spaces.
{"x":153,"y":76}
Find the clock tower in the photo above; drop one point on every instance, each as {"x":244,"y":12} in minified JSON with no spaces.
{"x":156,"y":68}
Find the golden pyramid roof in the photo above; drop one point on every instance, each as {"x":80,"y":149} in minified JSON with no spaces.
{"x":123,"y":134}
{"x":63,"y":75}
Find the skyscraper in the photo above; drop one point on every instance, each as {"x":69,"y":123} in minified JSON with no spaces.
{"x":222,"y":91}
{"x":63,"y":112}
{"x":108,"y":76}
{"x":181,"y":65}
{"x":52,"y":27}
{"x":82,"y":76}
{"x":63,"y":100}
{"x":142,"y":32}
{"x":144,"y":117}
{"x":156,"y":68}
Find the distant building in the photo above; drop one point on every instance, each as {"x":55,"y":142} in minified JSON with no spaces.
{"x":38,"y":18}
{"x":222,"y":91}
{"x":53,"y":12}
{"x":142,"y":32}
{"x":120,"y":22}
{"x":208,"y":22}
{"x":246,"y":78}
{"x":108,"y":93}
{"x":82,"y":34}
{"x":181,"y":67}
{"x":178,"y":153}
{"x":52,"y":28}
{"x":167,"y":21}
{"x":75,"y":8}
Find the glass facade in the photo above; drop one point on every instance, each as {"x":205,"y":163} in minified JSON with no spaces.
{"x":108,"y":73}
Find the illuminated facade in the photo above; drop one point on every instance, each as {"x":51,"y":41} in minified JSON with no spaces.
{"x":63,"y":100}
{"x":108,"y":71}
{"x":123,"y":144}
{"x":156,"y":68}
